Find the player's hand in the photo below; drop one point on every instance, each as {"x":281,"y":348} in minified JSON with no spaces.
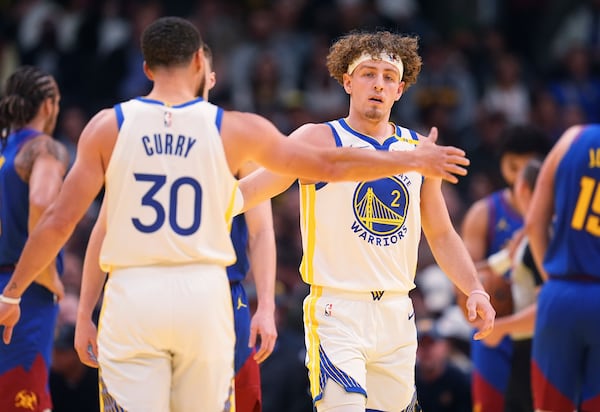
{"x":481,"y":313}
{"x":440,"y":162}
{"x":263,"y":324}
{"x":496,"y":335}
{"x":9,"y":316}
{"x":86,"y":337}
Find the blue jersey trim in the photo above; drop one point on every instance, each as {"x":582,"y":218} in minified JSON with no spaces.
{"x":219,"y":118}
{"x":158,"y":102}
{"x":336,"y":136}
{"x":120,"y":115}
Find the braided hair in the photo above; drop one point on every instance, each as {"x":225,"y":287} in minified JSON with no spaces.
{"x":24,"y":92}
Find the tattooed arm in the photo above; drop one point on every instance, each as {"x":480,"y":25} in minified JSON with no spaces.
{"x":43,"y":162}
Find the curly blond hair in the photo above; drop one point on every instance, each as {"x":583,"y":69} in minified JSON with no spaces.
{"x":345,"y":50}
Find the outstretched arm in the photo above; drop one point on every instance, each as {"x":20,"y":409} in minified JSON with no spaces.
{"x":92,"y":283}
{"x":309,"y":154}
{"x":452,"y":256}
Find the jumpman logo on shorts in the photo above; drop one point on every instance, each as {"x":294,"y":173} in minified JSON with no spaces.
{"x":240,"y":304}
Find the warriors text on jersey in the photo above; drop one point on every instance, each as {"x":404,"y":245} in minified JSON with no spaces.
{"x":377,"y":223}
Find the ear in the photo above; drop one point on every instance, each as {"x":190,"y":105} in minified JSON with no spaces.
{"x":400,"y":90}
{"x":198,"y":60}
{"x":47,"y":106}
{"x":212,"y":80}
{"x":148,"y":72}
{"x":347,"y":83}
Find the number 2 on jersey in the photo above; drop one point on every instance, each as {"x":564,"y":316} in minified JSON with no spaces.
{"x":149,"y":200}
{"x":589,"y":198}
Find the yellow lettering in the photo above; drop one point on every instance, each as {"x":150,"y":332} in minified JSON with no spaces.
{"x":594,"y":158}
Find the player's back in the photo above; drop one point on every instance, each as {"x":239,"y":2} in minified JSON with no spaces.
{"x":575,"y":245}
{"x":170,"y":194}
{"x":14,"y":199}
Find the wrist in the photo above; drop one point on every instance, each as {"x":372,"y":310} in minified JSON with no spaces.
{"x":9,"y":300}
{"x":480,"y":292}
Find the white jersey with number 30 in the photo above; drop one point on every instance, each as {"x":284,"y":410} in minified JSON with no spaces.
{"x":166,"y":163}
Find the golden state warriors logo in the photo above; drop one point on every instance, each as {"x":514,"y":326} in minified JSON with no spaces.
{"x":26,"y":400}
{"x":380,"y":209}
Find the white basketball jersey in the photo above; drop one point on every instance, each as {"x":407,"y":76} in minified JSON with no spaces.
{"x":170,"y":194}
{"x":362,"y":236}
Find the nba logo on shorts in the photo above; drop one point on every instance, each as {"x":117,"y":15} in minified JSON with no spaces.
{"x":167,"y":119}
{"x":328,"y":308}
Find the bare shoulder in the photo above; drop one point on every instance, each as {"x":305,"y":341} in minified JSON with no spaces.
{"x":102,"y":124}
{"x":476,"y":214}
{"x":42,"y":145}
{"x":319,"y":134}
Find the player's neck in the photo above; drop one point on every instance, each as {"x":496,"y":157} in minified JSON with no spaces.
{"x":172,"y":92}
{"x":509,"y":196}
{"x":379,"y":130}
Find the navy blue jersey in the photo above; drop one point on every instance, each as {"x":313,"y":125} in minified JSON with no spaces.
{"x":575,"y":244}
{"x":503,"y":222}
{"x":239,"y":236}
{"x":14,"y":199}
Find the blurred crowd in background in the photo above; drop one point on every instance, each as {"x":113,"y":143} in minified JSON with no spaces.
{"x":487,"y":64}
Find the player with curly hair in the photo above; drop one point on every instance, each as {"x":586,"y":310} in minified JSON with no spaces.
{"x":361,"y":238}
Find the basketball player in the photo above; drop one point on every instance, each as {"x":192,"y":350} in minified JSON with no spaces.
{"x":254,"y":241}
{"x":566,"y":348}
{"x":166,"y":336}
{"x":361,"y":239}
{"x":488,"y":226}
{"x":32,"y":167}
{"x":525,"y":281}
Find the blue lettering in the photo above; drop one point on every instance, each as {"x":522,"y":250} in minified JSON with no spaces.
{"x":146,"y":142}
{"x":356,"y":228}
{"x":179,"y":146}
{"x":191,"y":143}
{"x":371,"y":237}
{"x":158,"y":144}
{"x":168,"y":143}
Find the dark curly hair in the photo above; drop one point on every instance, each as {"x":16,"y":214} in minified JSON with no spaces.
{"x":345,"y":50}
{"x":24,"y":92}
{"x":170,"y":42}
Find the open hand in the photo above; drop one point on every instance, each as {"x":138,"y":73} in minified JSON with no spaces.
{"x":86,"y":337}
{"x":263,"y":324}
{"x":440,"y":162}
{"x":480,"y":313}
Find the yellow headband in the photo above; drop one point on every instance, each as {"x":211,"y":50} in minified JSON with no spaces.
{"x":386,"y":57}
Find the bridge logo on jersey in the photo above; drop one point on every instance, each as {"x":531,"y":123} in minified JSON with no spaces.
{"x":27,"y":400}
{"x":380,"y":208}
